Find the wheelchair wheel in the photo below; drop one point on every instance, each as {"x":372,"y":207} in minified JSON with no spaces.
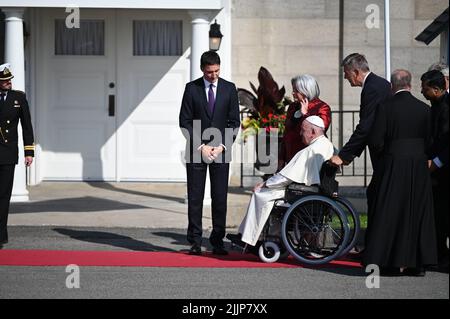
{"x":269,"y":252}
{"x":354,"y":223}
{"x":315,"y":230}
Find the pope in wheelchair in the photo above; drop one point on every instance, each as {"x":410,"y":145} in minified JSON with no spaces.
{"x":297,"y":211}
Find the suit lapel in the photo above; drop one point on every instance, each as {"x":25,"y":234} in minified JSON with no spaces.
{"x":220,"y":93}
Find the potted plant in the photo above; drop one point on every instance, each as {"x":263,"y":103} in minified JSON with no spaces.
{"x":264,"y":116}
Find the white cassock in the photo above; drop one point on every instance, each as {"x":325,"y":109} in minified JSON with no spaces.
{"x":303,"y":168}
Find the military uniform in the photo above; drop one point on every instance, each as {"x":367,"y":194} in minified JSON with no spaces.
{"x":13,"y":107}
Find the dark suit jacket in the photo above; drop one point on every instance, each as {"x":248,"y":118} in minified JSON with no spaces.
{"x":440,"y":125}
{"x":376,"y":90}
{"x":195,"y":117}
{"x":14,"y":108}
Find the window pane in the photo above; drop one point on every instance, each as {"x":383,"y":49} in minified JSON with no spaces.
{"x":161,"y":38}
{"x":88,"y":39}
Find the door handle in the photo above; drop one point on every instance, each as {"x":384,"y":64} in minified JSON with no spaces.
{"x":111,"y":105}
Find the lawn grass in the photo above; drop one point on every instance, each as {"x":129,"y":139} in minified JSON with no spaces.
{"x":363,"y":220}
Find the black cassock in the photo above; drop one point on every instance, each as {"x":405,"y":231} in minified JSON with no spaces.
{"x":402,"y":232}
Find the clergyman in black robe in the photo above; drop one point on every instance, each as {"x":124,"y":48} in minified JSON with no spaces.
{"x":402,"y":235}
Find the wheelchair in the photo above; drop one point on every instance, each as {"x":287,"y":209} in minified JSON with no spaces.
{"x":312,"y":223}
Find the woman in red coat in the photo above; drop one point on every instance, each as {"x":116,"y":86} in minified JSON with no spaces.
{"x":306,"y":103}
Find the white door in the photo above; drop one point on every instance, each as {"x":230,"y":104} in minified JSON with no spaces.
{"x":80,"y":74}
{"x":75,"y":69}
{"x":151,"y":77}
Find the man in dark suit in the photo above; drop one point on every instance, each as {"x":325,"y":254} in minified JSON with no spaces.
{"x":209,"y":119}
{"x":375,"y":90}
{"x":434,"y":90}
{"x":13,"y":107}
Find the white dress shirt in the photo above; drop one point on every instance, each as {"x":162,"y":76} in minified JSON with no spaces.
{"x":365,"y":78}
{"x":207,"y":84}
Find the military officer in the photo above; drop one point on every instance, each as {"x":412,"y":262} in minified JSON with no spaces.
{"x":13,"y":107}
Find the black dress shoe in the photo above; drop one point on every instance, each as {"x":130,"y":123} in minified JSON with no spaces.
{"x":195,"y":250}
{"x":219,"y":251}
{"x":414,"y":272}
{"x":442,"y":265}
{"x":236,"y":239}
{"x":390,"y":271}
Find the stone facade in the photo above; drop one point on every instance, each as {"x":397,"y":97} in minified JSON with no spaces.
{"x":302,"y":36}
{"x":293,"y":37}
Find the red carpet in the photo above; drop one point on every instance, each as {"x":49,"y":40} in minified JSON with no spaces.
{"x":144,"y":259}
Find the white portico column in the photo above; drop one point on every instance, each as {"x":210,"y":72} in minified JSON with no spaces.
{"x":200,"y":39}
{"x":200,"y":44}
{"x":14,"y":54}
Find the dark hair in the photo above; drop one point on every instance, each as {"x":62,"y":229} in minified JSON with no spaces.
{"x":356,"y":61}
{"x":434,"y":78}
{"x":209,"y":58}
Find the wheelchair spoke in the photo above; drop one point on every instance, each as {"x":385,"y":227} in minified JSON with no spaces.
{"x":304,"y":212}
{"x":302,"y":221}
{"x":314,"y":231}
{"x":336,"y":234}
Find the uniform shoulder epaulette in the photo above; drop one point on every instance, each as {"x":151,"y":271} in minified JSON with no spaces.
{"x":20,"y":94}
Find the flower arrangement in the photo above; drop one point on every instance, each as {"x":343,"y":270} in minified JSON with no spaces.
{"x":266,"y":110}
{"x":272,"y":122}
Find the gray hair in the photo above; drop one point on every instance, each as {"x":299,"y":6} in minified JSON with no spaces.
{"x":306,"y":85}
{"x":440,"y":67}
{"x":356,"y":61}
{"x":401,"y":79}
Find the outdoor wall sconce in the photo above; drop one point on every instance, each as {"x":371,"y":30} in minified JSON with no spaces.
{"x":215,"y":37}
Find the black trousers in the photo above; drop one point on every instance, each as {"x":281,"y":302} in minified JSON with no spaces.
{"x":371,"y":193}
{"x":441,"y":212}
{"x":6,"y":185}
{"x":196,"y":178}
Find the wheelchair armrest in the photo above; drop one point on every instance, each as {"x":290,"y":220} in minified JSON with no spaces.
{"x":296,"y":191}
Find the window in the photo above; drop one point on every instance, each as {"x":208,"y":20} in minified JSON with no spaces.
{"x":157,"y":38}
{"x":88,"y":39}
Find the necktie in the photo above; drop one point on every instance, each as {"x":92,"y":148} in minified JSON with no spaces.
{"x":211,"y":100}
{"x":2,"y":97}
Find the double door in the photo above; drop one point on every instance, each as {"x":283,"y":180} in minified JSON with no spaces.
{"x":109,"y":93}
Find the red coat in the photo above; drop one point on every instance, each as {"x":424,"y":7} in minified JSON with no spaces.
{"x":292,"y":141}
